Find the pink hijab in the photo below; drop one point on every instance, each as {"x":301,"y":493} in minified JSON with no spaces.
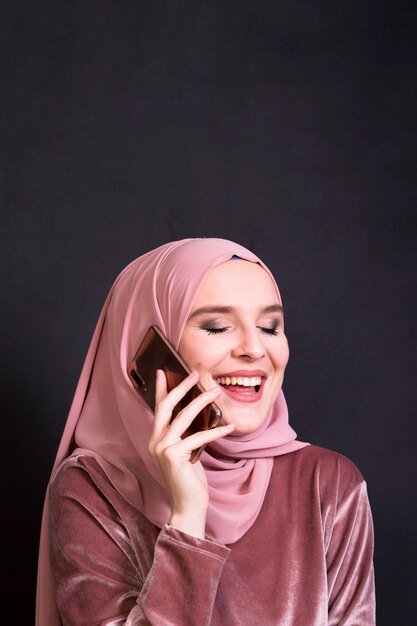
{"x":108,"y":420}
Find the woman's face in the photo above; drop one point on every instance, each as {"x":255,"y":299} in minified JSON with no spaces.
{"x":234,"y":338}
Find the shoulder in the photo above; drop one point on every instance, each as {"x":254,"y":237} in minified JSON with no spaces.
{"x":84,"y":505}
{"x":323,"y":468}
{"x":76,"y":470}
{"x":328,"y":460}
{"x":80,"y":481}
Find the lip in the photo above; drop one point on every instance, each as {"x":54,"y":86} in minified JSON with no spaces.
{"x":242,"y":396}
{"x":246,"y":373}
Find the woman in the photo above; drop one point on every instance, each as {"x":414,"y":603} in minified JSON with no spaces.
{"x":263,"y":528}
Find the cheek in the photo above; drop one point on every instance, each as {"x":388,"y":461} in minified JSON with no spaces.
{"x":208,"y":357}
{"x":281,"y":355}
{"x":202,"y":353}
{"x":286,"y":354}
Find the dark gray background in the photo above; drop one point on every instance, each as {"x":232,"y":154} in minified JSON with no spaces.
{"x":289,"y":127}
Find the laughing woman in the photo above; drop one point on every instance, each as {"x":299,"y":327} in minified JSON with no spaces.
{"x":262,"y":529}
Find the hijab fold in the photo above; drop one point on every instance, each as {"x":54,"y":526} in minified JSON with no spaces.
{"x":109,"y":421}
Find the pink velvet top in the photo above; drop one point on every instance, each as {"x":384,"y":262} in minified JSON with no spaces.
{"x":306,"y":561}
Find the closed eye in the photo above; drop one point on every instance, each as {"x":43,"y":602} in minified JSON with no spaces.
{"x":219,"y":331}
{"x":216,"y":331}
{"x":269,"y":331}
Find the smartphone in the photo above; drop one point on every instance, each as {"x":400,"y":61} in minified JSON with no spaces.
{"x":155,"y":352}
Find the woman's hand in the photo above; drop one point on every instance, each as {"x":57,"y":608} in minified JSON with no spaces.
{"x":186,"y":481}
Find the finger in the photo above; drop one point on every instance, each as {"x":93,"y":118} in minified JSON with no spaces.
{"x":161,"y":392}
{"x":187,"y":445}
{"x":176,"y":394}
{"x":164,"y":404}
{"x":161,"y":389}
{"x":183,"y":420}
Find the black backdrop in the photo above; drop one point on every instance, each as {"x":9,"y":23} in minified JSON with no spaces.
{"x":287,"y":126}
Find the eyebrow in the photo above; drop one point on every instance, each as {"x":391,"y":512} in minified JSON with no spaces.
{"x":272,"y":308}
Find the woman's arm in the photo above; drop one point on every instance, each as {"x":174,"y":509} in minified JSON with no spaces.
{"x":105,"y":576}
{"x":349,"y":557}
{"x":100,"y":577}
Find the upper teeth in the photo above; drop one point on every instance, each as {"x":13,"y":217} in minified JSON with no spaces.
{"x":245,"y":381}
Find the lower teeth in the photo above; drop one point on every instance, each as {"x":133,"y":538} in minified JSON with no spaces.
{"x":230,"y":387}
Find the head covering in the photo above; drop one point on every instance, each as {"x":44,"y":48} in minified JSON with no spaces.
{"x":109,"y":420}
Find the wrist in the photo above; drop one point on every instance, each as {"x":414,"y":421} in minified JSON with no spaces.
{"x":191,"y":523}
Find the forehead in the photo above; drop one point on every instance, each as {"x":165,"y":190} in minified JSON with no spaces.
{"x":237,"y":283}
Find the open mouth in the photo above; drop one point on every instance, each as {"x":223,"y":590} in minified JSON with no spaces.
{"x":243,"y":388}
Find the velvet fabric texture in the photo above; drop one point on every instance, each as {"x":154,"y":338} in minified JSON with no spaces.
{"x":306,"y":561}
{"x":110,"y":422}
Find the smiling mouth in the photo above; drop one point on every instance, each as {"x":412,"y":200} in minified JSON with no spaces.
{"x":238,"y":384}
{"x":242,"y":388}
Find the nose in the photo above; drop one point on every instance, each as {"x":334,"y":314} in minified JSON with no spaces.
{"x":249,"y":345}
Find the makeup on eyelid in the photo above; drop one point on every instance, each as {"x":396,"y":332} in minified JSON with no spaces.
{"x":216,"y":326}
{"x":219,"y":330}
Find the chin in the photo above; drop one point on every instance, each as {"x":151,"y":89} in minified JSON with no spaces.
{"x":245,"y":419}
{"x":245,"y":429}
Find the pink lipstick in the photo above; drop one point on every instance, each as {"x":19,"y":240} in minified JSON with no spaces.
{"x":242,"y":385}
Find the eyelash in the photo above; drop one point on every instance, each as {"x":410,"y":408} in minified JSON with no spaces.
{"x":219,"y":331}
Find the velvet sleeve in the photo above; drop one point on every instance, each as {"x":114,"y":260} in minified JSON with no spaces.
{"x":349,"y":554}
{"x":105,"y":576}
